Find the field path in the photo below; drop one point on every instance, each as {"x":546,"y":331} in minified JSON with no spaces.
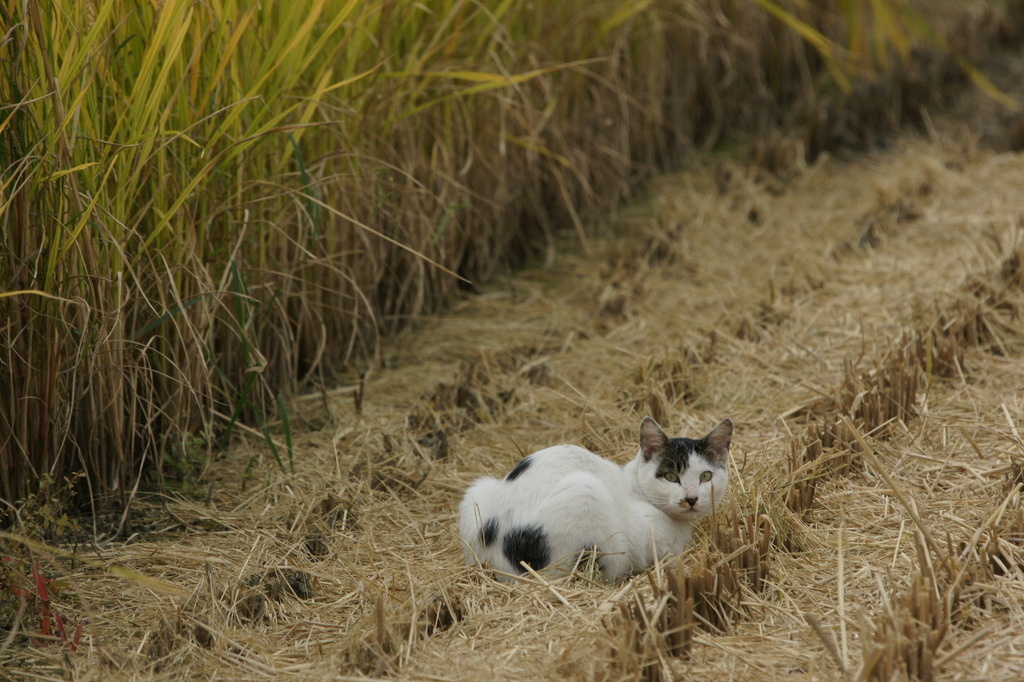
{"x":786,"y":304}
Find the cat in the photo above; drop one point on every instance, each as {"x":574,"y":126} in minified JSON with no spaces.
{"x":564,"y":504}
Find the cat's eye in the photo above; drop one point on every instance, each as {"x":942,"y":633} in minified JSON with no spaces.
{"x":705,"y":477}
{"x":670,"y":477}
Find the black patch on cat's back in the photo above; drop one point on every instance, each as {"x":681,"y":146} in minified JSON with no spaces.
{"x":527,"y":544}
{"x":489,"y":532}
{"x":519,"y":469}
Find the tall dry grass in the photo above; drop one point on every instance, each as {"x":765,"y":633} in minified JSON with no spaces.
{"x":204,"y":206}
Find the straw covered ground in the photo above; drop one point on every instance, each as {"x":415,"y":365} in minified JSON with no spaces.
{"x":859,"y":320}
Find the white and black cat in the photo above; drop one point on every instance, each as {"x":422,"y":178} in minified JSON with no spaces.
{"x":563,"y":502}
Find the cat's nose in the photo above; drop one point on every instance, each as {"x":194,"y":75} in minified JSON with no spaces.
{"x":692,"y":501}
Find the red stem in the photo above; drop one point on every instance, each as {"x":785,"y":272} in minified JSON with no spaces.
{"x":40,"y":582}
{"x":60,"y":626}
{"x":77,"y":637}
{"x":44,"y":599}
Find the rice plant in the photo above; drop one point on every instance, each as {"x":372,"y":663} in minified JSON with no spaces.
{"x":205,"y":206}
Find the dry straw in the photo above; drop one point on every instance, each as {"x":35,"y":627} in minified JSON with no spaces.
{"x":906,"y":562}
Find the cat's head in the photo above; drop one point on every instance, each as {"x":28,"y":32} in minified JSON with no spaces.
{"x":684,"y":477}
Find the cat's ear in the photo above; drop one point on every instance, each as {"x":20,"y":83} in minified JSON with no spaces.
{"x":719,"y":440}
{"x":652,"y":438}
